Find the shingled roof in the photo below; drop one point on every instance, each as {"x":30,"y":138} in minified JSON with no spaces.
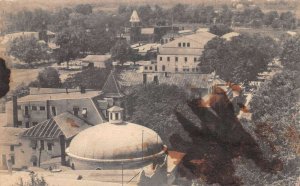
{"x":111,"y":87}
{"x":64,"y":124}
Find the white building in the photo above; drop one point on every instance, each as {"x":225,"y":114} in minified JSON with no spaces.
{"x":182,"y":54}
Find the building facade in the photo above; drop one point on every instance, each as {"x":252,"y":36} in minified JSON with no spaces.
{"x":183,"y":53}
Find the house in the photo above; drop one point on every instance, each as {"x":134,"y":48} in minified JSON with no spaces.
{"x":32,"y":109}
{"x":98,"y":61}
{"x":13,"y":154}
{"x":49,"y":139}
{"x":183,"y":53}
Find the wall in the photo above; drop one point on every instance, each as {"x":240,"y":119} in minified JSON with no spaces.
{"x":191,"y":65}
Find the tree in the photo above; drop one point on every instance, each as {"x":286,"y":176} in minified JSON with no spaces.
{"x":29,"y":49}
{"x":290,"y":56}
{"x":152,"y":106}
{"x":220,"y":29}
{"x":288,"y":20}
{"x":48,"y":78}
{"x":121,"y":51}
{"x":270,"y":17}
{"x":72,"y":42}
{"x":239,"y":60}
{"x":92,"y":78}
{"x":84,"y":9}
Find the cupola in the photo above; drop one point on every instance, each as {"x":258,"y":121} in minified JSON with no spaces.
{"x":115,"y":115}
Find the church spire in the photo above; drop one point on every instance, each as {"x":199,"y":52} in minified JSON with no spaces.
{"x":134,"y":19}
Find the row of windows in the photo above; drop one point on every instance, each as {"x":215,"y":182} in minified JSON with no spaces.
{"x":176,"y":59}
{"x":184,"y":44}
{"x":35,"y":108}
{"x":34,"y":145}
{"x":187,"y":69}
{"x":150,"y":67}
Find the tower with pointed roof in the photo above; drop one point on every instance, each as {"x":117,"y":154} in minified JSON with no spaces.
{"x":135,"y":30}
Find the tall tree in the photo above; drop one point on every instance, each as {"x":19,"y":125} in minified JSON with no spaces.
{"x":29,"y":49}
{"x":241,"y":59}
{"x":48,"y":78}
{"x":121,"y":51}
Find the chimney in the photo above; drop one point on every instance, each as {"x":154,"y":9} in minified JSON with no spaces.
{"x":62,"y":141}
{"x":48,"y":109}
{"x":15,"y":111}
{"x":82,"y":89}
{"x":155,"y":80}
{"x":144,"y":79}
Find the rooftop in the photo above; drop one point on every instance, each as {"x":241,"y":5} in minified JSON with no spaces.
{"x":111,"y":87}
{"x":134,"y":17}
{"x":96,"y":58}
{"x":59,"y":96}
{"x":65,"y":123}
{"x":130,"y":78}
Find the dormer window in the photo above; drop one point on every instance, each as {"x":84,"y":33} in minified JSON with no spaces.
{"x":84,"y":112}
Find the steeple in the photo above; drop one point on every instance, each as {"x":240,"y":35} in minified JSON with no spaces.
{"x":134,"y":19}
{"x":111,"y":87}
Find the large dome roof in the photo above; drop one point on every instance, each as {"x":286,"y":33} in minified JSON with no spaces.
{"x":113,"y":142}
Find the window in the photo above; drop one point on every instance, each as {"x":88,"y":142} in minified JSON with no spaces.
{"x":34,"y":123}
{"x":42,"y":108}
{"x":53,"y":109}
{"x":168,"y":58}
{"x":160,"y":58}
{"x":155,"y":67}
{"x":84,"y":112}
{"x":12,"y":148}
{"x":111,"y":117}
{"x":26,"y":111}
{"x":75,"y":110}
{"x":183,"y":44}
{"x":19,"y":107}
{"x":33,"y":107}
{"x":150,"y":68}
{"x":188,"y":45}
{"x":33,"y":144}
{"x":146,"y":68}
{"x":27,"y":124}
{"x":195,"y":59}
{"x":49,"y":146}
{"x":179,"y":44}
{"x":185,"y":59}
{"x":117,"y":116}
{"x":12,"y":159}
{"x":19,"y":123}
{"x":163,"y":68}
{"x":176,"y":59}
{"x":42,"y":145}
{"x":176,"y":69}
{"x":193,"y":69}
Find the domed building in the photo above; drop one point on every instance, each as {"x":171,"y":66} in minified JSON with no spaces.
{"x":116,"y":144}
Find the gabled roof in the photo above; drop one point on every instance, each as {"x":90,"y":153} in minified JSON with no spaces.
{"x":111,"y":87}
{"x":96,"y":58}
{"x":64,"y":124}
{"x":134,"y":17}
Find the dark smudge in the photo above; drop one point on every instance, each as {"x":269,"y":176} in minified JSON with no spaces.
{"x":220,"y":139}
{"x":4,"y":78}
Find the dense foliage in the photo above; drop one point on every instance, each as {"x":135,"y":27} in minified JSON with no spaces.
{"x":48,"y":78}
{"x":29,"y":49}
{"x":153,"y":106}
{"x":91,"y":78}
{"x":220,"y":29}
{"x":239,"y":60}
